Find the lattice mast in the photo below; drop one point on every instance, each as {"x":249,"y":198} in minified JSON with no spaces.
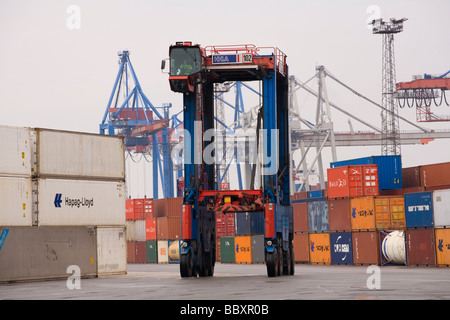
{"x":389,"y":120}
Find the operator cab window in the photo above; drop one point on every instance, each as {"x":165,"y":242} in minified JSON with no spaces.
{"x":184,"y":61}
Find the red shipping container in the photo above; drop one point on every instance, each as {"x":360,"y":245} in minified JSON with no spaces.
{"x":225,"y":224}
{"x":168,"y":228}
{"x":339,"y":218}
{"x":148,"y":208}
{"x":352,"y":181}
{"x":420,"y":247}
{"x":150,"y":229}
{"x":300,"y":216}
{"x":141,"y":256}
{"x":301,"y":247}
{"x":135,"y":209}
{"x":167,"y":207}
{"x":366,"y":247}
{"x":131,"y":252}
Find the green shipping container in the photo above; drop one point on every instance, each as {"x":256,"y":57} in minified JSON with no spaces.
{"x":151,"y":248}
{"x":227,"y":254}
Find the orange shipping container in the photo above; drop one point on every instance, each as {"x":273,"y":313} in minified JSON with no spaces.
{"x":243,"y":249}
{"x":443,"y":247}
{"x":319,"y":248}
{"x":362,"y":213}
{"x":134,"y":209}
{"x":352,"y":181}
{"x":301,"y":247}
{"x":150,"y":229}
{"x":390,"y":213}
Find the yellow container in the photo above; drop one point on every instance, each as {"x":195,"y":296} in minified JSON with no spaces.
{"x":442,"y":237}
{"x":362,"y":213}
{"x":390,"y":213}
{"x":243,"y":249}
{"x":319,"y":248}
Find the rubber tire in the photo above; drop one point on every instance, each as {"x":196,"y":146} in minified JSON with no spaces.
{"x":186,"y":267}
{"x":272,"y":263}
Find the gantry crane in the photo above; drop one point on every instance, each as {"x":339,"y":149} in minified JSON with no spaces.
{"x":193,"y":72}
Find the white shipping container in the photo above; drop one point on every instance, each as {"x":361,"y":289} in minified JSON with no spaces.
{"x":139,"y":230}
{"x":75,"y":154}
{"x":130,"y":225}
{"x":15,"y":150}
{"x":15,"y":201}
{"x":111,"y":250}
{"x":441,"y":207}
{"x":163,"y":251}
{"x":80,"y":202}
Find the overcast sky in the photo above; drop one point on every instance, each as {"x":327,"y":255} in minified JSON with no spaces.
{"x":58,"y":65}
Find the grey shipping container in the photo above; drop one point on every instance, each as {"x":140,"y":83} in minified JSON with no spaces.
{"x":318,"y":216}
{"x":258,"y":249}
{"x":41,"y":253}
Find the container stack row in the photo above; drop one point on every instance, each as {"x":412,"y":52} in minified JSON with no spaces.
{"x":62,"y":203}
{"x":153,"y":230}
{"x":375,"y":218}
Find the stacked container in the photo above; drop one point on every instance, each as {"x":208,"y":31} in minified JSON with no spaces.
{"x":55,"y":181}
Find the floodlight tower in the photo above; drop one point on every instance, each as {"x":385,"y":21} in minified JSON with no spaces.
{"x":389,"y":121}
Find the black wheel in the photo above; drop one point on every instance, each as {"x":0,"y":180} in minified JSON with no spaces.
{"x":272,"y":263}
{"x":292,"y":262}
{"x":186,"y":265}
{"x":286,"y":262}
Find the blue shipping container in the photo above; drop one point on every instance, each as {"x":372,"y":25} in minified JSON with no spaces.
{"x":257,"y":223}
{"x":341,"y":248}
{"x":318,"y":216}
{"x":419,"y":209}
{"x":315,"y":194}
{"x":242,"y":223}
{"x":389,"y":169}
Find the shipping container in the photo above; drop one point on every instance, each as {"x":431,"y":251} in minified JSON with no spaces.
{"x":362,"y":213}
{"x":339,"y":215}
{"x":41,"y":253}
{"x":15,"y":148}
{"x":16,"y":201}
{"x":148,"y":208}
{"x":167,"y":207}
{"x":352,"y":181}
{"x":134,"y":209}
{"x":411,"y":177}
{"x":111,"y":250}
{"x":243,"y":246}
{"x":389,"y":169}
{"x":150,"y":229}
{"x":225,"y":226}
{"x":301,"y":247}
{"x":390,"y":213}
{"x":300,"y":214}
{"x":366,"y":247}
{"x":316,"y":194}
{"x":435,"y":174}
{"x":140,"y":247}
{"x":163,"y":251}
{"x":80,"y":202}
{"x":130,"y":234}
{"x":242,"y":223}
{"x":419,"y":209}
{"x":140,"y":233}
{"x":421,"y":248}
{"x":69,"y":155}
{"x":318,"y":216}
{"x":441,"y":208}
{"x":151,"y":252}
{"x":393,"y":247}
{"x":319,"y":245}
{"x":227,"y":250}
{"x":258,"y":249}
{"x":442,"y":247}
{"x":341,"y":248}
{"x":131,"y":252}
{"x":168,"y":228}
{"x":257,"y":223}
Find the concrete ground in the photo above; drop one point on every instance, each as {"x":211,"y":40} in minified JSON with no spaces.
{"x":246,"y":282}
